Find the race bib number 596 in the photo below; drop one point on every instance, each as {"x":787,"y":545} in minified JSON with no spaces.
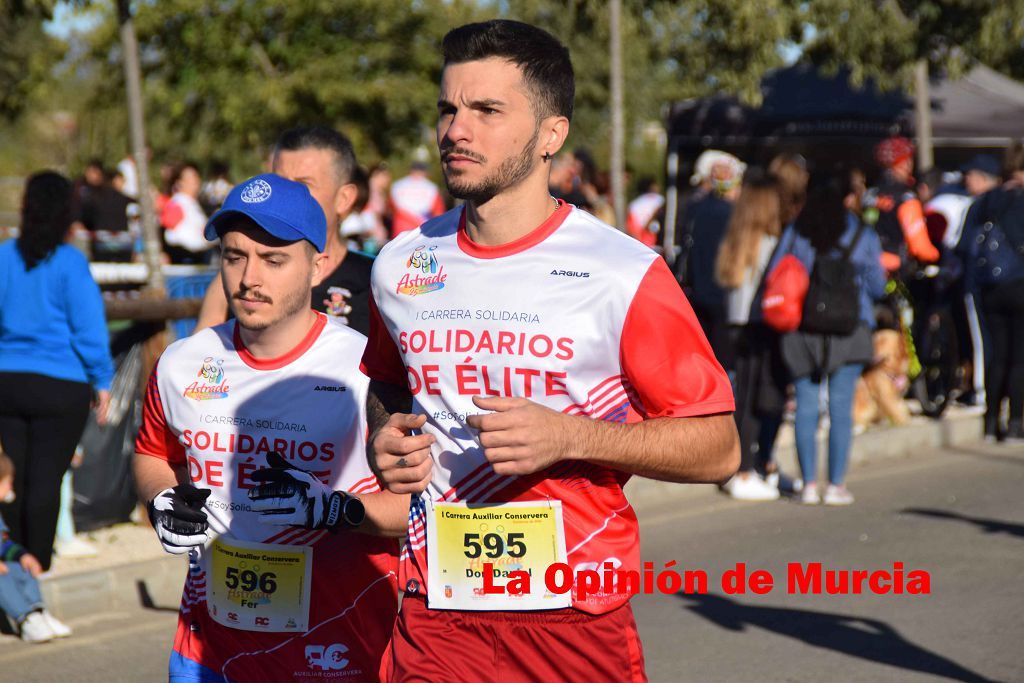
{"x":463,"y":541}
{"x":259,"y":587}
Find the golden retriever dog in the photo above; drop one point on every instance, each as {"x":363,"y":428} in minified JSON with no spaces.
{"x":879,"y":394}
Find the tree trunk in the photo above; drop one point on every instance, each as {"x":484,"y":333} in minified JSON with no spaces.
{"x":923,"y":112}
{"x":136,"y":124}
{"x":617,"y":162}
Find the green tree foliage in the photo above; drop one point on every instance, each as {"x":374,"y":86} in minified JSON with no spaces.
{"x":27,"y":53}
{"x":671,"y":50}
{"x":223,"y":77}
{"x":882,"y":39}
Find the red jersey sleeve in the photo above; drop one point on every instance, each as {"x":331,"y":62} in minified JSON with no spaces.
{"x":155,"y":437}
{"x":665,"y":356}
{"x":381,"y":359}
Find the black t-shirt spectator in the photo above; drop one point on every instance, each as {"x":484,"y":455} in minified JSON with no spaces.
{"x":104,"y":208}
{"x":353,"y":275}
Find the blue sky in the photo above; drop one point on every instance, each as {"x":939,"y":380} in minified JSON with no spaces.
{"x":65,"y":21}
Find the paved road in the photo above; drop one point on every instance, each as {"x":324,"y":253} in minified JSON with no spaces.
{"x":957,"y":514}
{"x":116,"y":647}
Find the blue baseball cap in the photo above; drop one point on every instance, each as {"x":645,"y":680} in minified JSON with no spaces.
{"x":983,"y":163}
{"x":282,"y":207}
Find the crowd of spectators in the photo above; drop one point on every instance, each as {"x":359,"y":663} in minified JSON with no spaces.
{"x":952,"y":239}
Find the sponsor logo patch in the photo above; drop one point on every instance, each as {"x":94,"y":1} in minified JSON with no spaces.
{"x":257,"y":191}
{"x":427,"y":276}
{"x":211,"y":383}
{"x":327,"y":658}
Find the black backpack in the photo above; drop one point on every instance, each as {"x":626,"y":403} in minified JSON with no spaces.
{"x":997,"y":254}
{"x":832,"y":305}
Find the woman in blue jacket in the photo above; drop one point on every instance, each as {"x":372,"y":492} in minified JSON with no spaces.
{"x":827,"y":225}
{"x":54,"y":351}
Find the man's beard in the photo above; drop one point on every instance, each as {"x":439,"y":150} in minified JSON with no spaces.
{"x":290,"y":303}
{"x":510,"y":173}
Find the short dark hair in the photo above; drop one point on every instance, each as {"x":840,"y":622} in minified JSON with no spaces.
{"x":321,"y":137}
{"x":178,"y":171}
{"x":646,"y":184}
{"x":932,"y":178}
{"x":824,"y":215}
{"x":361,"y":179}
{"x":547,"y":69}
{"x":46,"y":214}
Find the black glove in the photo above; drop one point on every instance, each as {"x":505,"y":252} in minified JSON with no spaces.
{"x":178,"y":518}
{"x":289,"y":496}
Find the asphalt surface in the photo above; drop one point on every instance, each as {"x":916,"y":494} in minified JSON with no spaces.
{"x":126,"y":646}
{"x":956,"y":514}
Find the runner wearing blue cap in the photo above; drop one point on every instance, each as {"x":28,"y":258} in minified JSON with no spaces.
{"x":279,"y":587}
{"x":324,"y":161}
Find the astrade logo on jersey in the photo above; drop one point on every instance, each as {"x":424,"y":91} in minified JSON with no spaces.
{"x":428,"y":275}
{"x":211,"y":383}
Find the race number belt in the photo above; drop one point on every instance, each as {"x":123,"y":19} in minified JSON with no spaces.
{"x":511,"y":537}
{"x":258,"y":586}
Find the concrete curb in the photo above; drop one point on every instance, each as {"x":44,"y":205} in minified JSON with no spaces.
{"x":158,"y":582}
{"x":152,"y":583}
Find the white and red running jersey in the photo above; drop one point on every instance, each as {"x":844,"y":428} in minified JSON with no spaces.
{"x":414,"y":200}
{"x":575,"y":316}
{"x":638,"y":218}
{"x":215,"y":409}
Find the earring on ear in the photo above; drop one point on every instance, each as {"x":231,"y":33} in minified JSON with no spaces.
{"x":546,"y":156}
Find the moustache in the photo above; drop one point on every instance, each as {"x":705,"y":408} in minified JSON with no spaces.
{"x":249,"y":295}
{"x":461,"y":151}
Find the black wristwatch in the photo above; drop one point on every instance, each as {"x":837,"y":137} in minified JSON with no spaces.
{"x":344,"y":511}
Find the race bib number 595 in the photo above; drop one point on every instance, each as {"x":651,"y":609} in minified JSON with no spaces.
{"x":463,"y":541}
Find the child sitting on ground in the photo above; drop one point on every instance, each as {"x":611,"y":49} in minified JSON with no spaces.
{"x":19,"y":591}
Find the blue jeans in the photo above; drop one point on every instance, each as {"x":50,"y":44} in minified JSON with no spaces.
{"x":19,"y":592}
{"x":841,"y":385}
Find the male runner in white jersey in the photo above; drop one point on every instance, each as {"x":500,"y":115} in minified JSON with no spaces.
{"x":279,"y":587}
{"x":324,"y":161}
{"x":544,"y":358}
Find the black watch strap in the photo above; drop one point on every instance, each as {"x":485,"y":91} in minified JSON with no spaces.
{"x":345,"y":511}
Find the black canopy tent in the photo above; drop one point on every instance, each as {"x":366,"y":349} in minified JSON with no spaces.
{"x":826,"y":118}
{"x":798,"y":103}
{"x":805,"y":109}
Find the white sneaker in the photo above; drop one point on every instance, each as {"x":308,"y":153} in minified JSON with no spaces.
{"x":837,"y":495}
{"x":74,"y":547}
{"x":751,"y":487}
{"x":59,"y":628}
{"x":35,"y":629}
{"x":809,"y":494}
